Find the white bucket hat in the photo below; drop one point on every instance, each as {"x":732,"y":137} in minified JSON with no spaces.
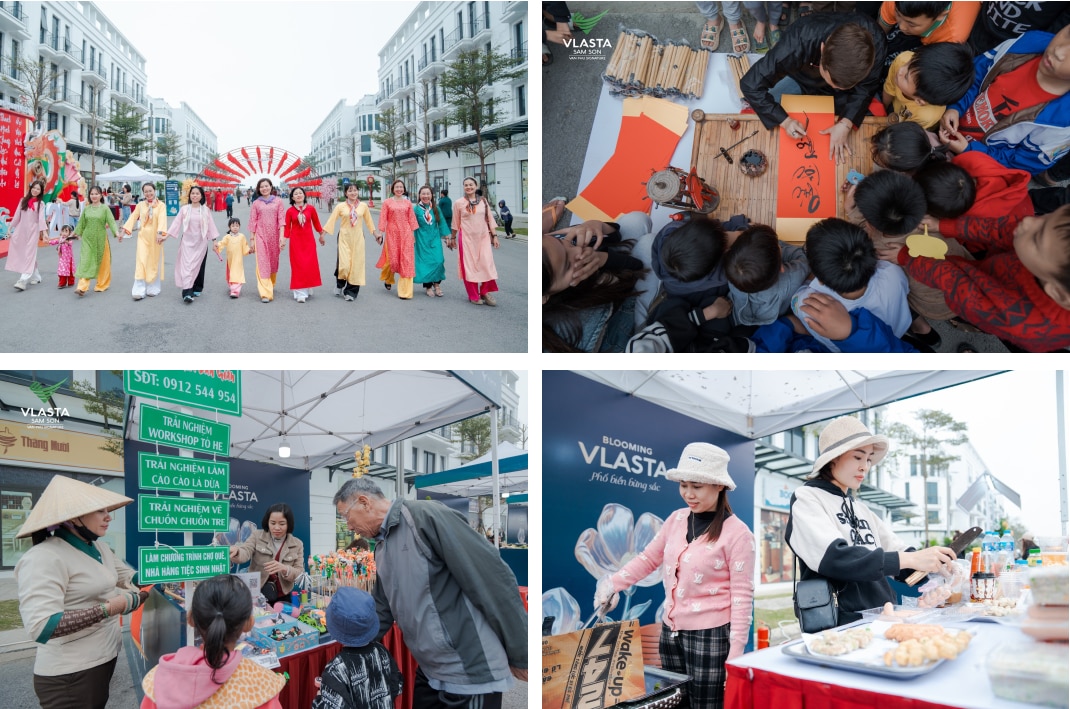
{"x":65,"y":499}
{"x":702,"y":463}
{"x":846,"y":434}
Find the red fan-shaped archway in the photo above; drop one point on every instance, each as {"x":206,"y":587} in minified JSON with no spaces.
{"x":232,"y":168}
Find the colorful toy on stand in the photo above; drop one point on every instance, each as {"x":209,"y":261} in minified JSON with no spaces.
{"x":330,"y":572}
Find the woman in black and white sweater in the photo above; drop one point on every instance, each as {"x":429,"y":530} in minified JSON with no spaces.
{"x":841,"y":540}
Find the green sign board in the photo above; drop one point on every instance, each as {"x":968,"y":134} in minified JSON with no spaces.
{"x":164,"y":564}
{"x":171,"y":472}
{"x":214,"y":390}
{"x":182,"y":514}
{"x":183,"y":431}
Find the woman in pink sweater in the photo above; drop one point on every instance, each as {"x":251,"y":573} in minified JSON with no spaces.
{"x":707,"y":559}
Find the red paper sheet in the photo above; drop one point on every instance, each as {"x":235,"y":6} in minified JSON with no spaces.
{"x":806,"y":177}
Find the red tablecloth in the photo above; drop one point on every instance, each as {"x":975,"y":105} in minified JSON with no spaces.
{"x":753,"y":688}
{"x":305,"y":666}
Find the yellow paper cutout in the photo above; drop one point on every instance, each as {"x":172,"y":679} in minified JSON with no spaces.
{"x":925,"y":245}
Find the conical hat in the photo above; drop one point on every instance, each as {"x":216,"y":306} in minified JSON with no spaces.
{"x":66,"y":498}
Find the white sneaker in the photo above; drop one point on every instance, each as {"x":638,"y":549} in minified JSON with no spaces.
{"x":302,"y":299}
{"x":138,"y":297}
{"x":21,"y":284}
{"x":36,"y":278}
{"x":338,"y":291}
{"x":348,"y":298}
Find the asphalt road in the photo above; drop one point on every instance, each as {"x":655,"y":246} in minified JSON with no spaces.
{"x":47,"y":319}
{"x":571,"y":89}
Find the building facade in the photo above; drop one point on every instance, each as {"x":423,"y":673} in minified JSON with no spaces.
{"x":91,"y":68}
{"x":431,"y":149}
{"x":197,"y":142}
{"x":342,"y":143}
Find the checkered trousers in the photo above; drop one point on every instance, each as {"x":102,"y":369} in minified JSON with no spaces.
{"x":700,"y":654}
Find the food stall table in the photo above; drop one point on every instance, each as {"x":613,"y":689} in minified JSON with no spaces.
{"x":305,"y":666}
{"x":768,"y":678}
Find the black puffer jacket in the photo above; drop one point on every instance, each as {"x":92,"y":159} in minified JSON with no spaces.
{"x":798,"y":55}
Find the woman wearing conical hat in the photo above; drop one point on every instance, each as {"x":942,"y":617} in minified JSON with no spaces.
{"x":72,"y":590}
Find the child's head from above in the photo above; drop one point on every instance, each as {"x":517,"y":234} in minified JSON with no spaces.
{"x":1042,"y":244}
{"x":917,"y":18}
{"x":841,"y":255}
{"x":904,"y":147}
{"x":234,"y":224}
{"x":753,"y":263}
{"x":221,"y":611}
{"x":949,"y":190}
{"x":891,"y":202}
{"x":694,"y":250}
{"x":847,"y":56}
{"x":938,"y":74}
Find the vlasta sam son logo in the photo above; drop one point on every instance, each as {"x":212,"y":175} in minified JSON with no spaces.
{"x":588,"y":47}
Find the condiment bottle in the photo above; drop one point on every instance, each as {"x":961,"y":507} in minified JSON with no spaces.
{"x":763,"y":636}
{"x":975,"y":561}
{"x":1034,"y":557}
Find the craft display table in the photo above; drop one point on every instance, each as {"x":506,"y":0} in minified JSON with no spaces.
{"x":768,"y":678}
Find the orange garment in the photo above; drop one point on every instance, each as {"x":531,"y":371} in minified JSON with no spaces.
{"x":955,"y":27}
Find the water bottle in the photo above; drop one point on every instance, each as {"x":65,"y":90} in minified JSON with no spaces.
{"x":989,"y":548}
{"x":1006,"y":544}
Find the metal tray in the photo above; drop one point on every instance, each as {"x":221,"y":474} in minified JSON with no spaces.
{"x":669,"y":694}
{"x":798,"y":651}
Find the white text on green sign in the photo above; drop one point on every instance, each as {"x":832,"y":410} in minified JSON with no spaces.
{"x":164,"y":564}
{"x":181,"y":514}
{"x":211,"y":389}
{"x":183,"y":431}
{"x":171,"y":472}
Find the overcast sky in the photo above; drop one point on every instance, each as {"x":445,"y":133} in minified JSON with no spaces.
{"x":1011,"y":421}
{"x":260,"y":73}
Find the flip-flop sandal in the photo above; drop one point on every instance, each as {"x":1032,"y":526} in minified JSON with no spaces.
{"x":774,"y":37}
{"x":760,"y":45}
{"x":740,"y":40}
{"x":711,"y":34}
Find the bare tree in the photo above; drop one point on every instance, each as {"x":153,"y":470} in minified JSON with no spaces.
{"x":390,"y":136}
{"x":37,"y":81}
{"x":469,"y":86}
{"x":423,"y":127}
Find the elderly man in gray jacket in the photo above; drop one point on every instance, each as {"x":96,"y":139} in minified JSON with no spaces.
{"x":455,"y":600}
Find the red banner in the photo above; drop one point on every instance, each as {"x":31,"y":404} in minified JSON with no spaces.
{"x":12,"y":160}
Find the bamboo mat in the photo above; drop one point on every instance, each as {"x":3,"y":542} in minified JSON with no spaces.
{"x":756,"y":196}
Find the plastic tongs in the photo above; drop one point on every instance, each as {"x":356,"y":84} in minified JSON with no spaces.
{"x":598,"y":616}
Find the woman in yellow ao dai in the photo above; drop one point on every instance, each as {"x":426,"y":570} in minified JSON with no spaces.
{"x":152,"y":213}
{"x":353,"y":215}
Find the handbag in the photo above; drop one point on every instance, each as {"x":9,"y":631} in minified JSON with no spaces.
{"x":270,"y":591}
{"x":816,"y":603}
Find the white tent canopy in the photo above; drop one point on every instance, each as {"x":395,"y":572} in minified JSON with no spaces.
{"x":476,"y":477}
{"x":327,"y":416}
{"x":759,"y":403}
{"x":130,"y":173}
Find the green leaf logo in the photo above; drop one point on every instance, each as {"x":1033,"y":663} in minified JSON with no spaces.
{"x":587,"y":23}
{"x":45,"y":393}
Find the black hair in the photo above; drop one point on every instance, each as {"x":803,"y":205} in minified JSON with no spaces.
{"x":918,"y":9}
{"x":891,"y":202}
{"x":942,"y":72}
{"x":904,"y":147}
{"x":562,"y":327}
{"x":694,"y":250}
{"x":360,"y":544}
{"x":303,"y":194}
{"x":221,"y":607}
{"x":723,"y":511}
{"x":753,"y":263}
{"x":444,"y":193}
{"x":26,"y":200}
{"x":260,"y":182}
{"x":189,"y":195}
{"x":949,"y":189}
{"x":841,"y":255}
{"x":405,"y":190}
{"x":848,"y":54}
{"x":355,"y":186}
{"x":232,"y":221}
{"x":434,"y":204}
{"x":286,"y":512}
{"x":68,"y":227}
{"x":1061,"y":228}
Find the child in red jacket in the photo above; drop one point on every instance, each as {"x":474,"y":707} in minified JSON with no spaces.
{"x":1020,"y":291}
{"x":972,"y":184}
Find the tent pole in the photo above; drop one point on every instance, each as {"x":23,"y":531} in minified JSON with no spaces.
{"x":1060,"y":420}
{"x":494,"y":475}
{"x":399,"y":481}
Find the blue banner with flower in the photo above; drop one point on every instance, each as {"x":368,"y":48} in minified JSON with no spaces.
{"x":605,"y":455}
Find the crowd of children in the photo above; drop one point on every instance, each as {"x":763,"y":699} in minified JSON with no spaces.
{"x":974,"y":153}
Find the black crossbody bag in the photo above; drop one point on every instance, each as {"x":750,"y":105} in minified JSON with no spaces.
{"x":816,"y":604}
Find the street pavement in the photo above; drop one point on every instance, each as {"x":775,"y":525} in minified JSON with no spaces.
{"x":571,"y":89}
{"x":47,"y":319}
